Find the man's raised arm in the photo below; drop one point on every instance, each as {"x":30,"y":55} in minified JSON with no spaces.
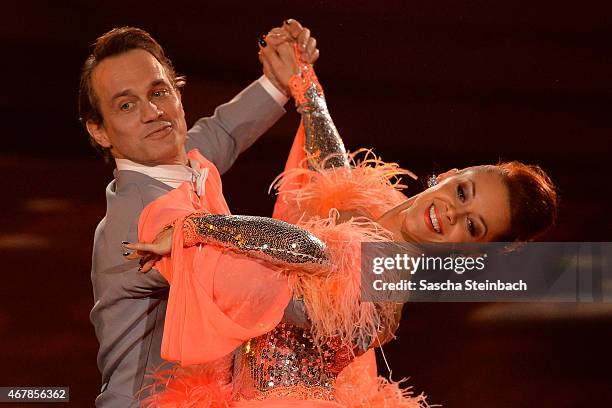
{"x":236,"y":125}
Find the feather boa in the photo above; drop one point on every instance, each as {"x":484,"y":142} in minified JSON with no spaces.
{"x":312,"y":199}
{"x":332,"y":295}
{"x":370,"y":187}
{"x":356,"y":388}
{"x":196,"y":386}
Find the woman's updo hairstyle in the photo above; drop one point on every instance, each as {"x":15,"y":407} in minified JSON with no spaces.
{"x":533,"y":200}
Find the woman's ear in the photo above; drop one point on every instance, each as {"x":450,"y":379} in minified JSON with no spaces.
{"x":447,"y":174}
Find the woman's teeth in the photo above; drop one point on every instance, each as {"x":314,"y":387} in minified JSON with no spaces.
{"x":434,"y":219}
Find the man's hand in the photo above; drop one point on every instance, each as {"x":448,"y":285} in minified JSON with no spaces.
{"x":277,"y":56}
{"x":149,"y":253}
{"x":279,"y":65}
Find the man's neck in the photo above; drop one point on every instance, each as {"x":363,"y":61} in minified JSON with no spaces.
{"x":120,"y":162}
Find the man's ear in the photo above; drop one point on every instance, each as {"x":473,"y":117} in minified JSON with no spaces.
{"x":447,"y":174}
{"x":98,"y":133}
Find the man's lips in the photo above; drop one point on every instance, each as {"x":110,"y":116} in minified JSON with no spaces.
{"x":160,"y":131}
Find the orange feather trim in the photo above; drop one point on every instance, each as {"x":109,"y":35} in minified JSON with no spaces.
{"x":370,"y":187}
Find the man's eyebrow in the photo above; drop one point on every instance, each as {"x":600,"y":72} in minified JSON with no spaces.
{"x":157,"y":82}
{"x":125,"y":92}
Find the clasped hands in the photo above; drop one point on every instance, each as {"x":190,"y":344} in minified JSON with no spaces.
{"x":277,"y":53}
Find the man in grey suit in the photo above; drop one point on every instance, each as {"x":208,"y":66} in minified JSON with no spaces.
{"x":130,"y":103}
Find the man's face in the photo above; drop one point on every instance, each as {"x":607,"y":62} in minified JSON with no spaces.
{"x":143,"y":116}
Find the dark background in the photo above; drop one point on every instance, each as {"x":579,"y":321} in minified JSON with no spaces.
{"x":431,"y":85}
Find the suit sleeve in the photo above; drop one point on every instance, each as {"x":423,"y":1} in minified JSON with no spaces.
{"x":118,"y":277}
{"x":235,"y":126}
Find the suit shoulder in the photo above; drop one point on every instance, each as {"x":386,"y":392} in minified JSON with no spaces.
{"x":137,"y":190}
{"x":127,"y":200}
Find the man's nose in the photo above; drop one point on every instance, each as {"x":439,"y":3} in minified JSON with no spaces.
{"x":151,"y":112}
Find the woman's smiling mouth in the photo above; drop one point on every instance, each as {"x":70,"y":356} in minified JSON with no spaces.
{"x":432,"y":219}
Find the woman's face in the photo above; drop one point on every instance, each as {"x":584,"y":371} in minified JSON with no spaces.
{"x":470,"y":205}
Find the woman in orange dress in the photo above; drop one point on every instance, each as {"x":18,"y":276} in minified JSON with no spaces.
{"x":233,"y":277}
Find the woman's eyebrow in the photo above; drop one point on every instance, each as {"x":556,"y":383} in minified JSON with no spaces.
{"x":486,"y":229}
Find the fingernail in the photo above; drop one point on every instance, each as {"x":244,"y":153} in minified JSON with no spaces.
{"x":140,"y":269}
{"x":124,"y":243}
{"x":262,"y":41}
{"x":127,"y":253}
{"x":287,"y":21}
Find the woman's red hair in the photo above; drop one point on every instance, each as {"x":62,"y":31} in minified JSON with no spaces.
{"x":533,"y":200}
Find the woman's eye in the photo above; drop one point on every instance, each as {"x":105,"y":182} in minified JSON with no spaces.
{"x":470,"y":227}
{"x":460,"y":193}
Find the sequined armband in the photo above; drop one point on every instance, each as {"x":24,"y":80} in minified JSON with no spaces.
{"x":323,"y":146}
{"x":190,"y":231}
{"x":266,"y":238}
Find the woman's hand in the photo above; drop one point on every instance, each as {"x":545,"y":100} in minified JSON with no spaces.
{"x":149,"y":253}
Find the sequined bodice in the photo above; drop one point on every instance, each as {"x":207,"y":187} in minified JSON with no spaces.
{"x":286,"y":363}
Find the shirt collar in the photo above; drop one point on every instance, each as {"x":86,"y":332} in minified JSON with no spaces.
{"x":172,"y":175}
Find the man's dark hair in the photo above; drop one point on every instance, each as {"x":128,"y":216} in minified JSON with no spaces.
{"x":115,"y":42}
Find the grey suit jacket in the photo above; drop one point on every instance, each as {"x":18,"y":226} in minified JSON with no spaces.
{"x":130,"y":307}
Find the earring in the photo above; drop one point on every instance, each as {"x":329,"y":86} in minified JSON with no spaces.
{"x":432,"y":181}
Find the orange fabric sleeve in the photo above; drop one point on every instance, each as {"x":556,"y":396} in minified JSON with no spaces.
{"x":218,"y":299}
{"x":296,"y":159}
